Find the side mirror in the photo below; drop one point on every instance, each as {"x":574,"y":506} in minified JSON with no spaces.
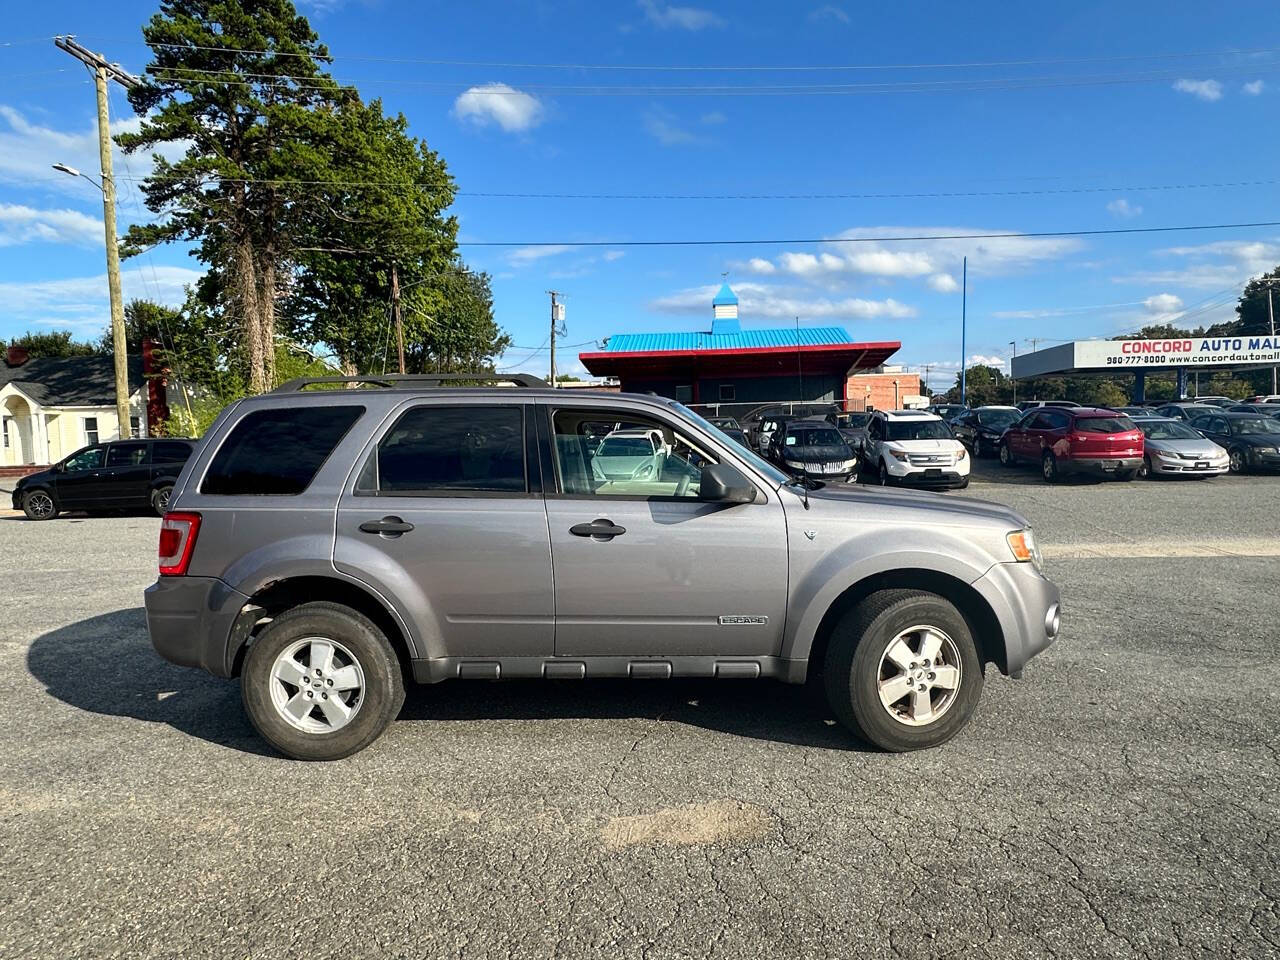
{"x":723,"y":484}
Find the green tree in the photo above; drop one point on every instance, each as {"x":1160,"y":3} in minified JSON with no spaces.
{"x":240,"y":83}
{"x":54,"y":343}
{"x":461,"y":335}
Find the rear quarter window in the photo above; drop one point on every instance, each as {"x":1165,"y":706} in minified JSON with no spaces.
{"x":278,"y":451}
{"x":170,"y":451}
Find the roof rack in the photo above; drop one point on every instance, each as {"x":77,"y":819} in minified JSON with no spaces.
{"x":415,"y":380}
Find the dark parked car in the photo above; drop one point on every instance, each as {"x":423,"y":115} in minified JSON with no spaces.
{"x":853,"y":427}
{"x":1186,"y":411}
{"x":813,"y":448}
{"x":1259,"y":409}
{"x":122,"y":475}
{"x":1251,"y":442}
{"x":948,"y":411}
{"x":980,"y":429}
{"x":765,"y":429}
{"x":1075,"y":440}
{"x":724,"y":423}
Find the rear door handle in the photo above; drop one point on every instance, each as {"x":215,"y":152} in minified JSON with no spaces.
{"x":601,"y":528}
{"x":387,"y":526}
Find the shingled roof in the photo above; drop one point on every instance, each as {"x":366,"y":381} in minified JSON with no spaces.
{"x":70,"y":381}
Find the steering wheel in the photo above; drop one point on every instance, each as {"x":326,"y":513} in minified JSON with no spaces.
{"x":682,"y":488}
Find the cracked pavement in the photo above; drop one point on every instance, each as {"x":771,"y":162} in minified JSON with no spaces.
{"x":1120,"y":801}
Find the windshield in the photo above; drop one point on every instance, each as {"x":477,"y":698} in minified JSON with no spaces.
{"x":1168,"y":430}
{"x":1105,"y":424}
{"x":917,"y":430}
{"x":853,"y":420}
{"x":998,"y":418}
{"x":1251,"y":426}
{"x":813,"y":437}
{"x":762,"y":466}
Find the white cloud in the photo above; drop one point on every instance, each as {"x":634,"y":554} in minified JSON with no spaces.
{"x":1253,"y":87}
{"x":1123,"y":209}
{"x":663,"y":125}
{"x":761,"y":266}
{"x":28,"y":150}
{"x":944,"y":283}
{"x":1208,"y":90}
{"x":667,"y":16}
{"x":829,"y":12}
{"x":81,"y":303}
{"x":990,"y":360}
{"x":1223,"y":263}
{"x":22,"y":224}
{"x":497,"y":103}
{"x":611,"y":255}
{"x":934,"y":259}
{"x":1162,"y":303}
{"x":523,"y":256}
{"x":763,"y":300}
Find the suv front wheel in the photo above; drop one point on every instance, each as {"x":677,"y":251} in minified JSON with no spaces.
{"x":903,"y":671}
{"x":321,"y":682}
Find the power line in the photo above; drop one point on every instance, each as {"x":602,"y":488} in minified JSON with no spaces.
{"x":923,"y":238}
{"x":918,"y":195}
{"x":680,"y":68}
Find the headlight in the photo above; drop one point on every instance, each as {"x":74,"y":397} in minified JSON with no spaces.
{"x":1022,"y":544}
{"x":849,"y":464}
{"x":794,"y":464}
{"x":1265,"y":449}
{"x":900,"y":455}
{"x":961,"y":454}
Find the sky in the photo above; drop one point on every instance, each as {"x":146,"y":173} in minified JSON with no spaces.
{"x":799,"y":124}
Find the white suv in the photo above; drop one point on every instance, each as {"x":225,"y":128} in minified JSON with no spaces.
{"x":916,"y":447}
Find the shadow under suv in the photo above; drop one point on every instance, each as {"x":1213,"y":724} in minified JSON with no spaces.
{"x":327,"y":545}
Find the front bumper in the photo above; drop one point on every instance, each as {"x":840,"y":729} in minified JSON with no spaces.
{"x":193,"y":622}
{"x":1189,"y":468}
{"x":1264,"y":461}
{"x":17,"y":498}
{"x":1027,"y":607}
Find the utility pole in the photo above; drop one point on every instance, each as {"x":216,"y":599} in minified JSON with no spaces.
{"x":1014,"y":344}
{"x":1271,"y":315}
{"x":395,"y":313}
{"x":964,"y":311}
{"x":557,"y":317}
{"x":102,"y":72}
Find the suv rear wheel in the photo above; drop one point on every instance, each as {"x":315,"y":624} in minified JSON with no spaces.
{"x":902,"y":670}
{"x":160,"y":499}
{"x":1006,"y":457}
{"x":1049,"y":467}
{"x":321,"y":682}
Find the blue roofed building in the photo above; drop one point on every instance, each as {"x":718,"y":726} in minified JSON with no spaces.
{"x":729,"y":364}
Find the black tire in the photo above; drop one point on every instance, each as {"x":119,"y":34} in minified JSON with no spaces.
{"x":39,"y":504}
{"x":882,"y":475}
{"x":1239,"y":462}
{"x":1006,"y":456}
{"x":381,"y":698}
{"x":979,"y":451}
{"x":160,"y":499}
{"x":1049,"y":467}
{"x":852,"y":668}
{"x":1145,"y":471}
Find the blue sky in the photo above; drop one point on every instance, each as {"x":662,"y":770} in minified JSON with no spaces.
{"x":1077,"y":117}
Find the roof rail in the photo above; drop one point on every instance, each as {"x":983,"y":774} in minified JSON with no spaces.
{"x":391,"y":380}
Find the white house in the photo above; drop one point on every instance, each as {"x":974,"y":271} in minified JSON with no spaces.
{"x":52,"y":406}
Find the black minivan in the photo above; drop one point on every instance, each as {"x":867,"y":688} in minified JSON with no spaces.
{"x":121,"y":475}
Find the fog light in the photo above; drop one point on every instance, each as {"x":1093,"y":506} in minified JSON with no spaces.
{"x":1052,"y":622}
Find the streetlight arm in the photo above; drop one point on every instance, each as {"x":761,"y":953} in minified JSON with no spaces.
{"x":73,"y":172}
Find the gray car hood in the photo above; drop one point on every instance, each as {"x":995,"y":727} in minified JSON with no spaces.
{"x":928,"y":507}
{"x":1199,"y":447}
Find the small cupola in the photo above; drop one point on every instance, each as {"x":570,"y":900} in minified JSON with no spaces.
{"x":724,"y":311}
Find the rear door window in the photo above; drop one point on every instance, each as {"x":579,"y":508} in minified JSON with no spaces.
{"x":439,"y":450}
{"x":278,"y":451}
{"x":170,"y":451}
{"x":127,"y":454}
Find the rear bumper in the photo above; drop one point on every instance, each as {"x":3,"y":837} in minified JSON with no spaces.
{"x":1099,"y":466}
{"x":192,"y":622}
{"x":1027,"y":607}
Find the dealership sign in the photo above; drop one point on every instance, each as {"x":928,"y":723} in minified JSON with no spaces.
{"x":1149,"y":354}
{"x":1186,"y":351}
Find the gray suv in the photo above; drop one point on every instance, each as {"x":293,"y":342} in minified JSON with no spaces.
{"x":327,"y":546}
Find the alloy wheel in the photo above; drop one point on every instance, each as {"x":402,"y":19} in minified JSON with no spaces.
{"x":40,"y":504}
{"x":1237,"y":461}
{"x":1144,"y":471}
{"x":1049,"y":467}
{"x":919,"y":675}
{"x":317,"y":685}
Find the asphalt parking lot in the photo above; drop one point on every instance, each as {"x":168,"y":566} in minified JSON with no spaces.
{"x":1120,"y":801}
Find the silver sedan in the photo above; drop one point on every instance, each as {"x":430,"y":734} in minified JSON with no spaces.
{"x":1171,"y":448}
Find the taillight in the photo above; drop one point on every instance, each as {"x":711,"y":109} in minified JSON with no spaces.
{"x":177,"y":541}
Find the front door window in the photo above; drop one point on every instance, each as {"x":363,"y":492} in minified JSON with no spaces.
{"x":638,"y":458}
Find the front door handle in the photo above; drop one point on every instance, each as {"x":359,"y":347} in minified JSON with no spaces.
{"x":600,"y":528}
{"x":387,"y":526}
